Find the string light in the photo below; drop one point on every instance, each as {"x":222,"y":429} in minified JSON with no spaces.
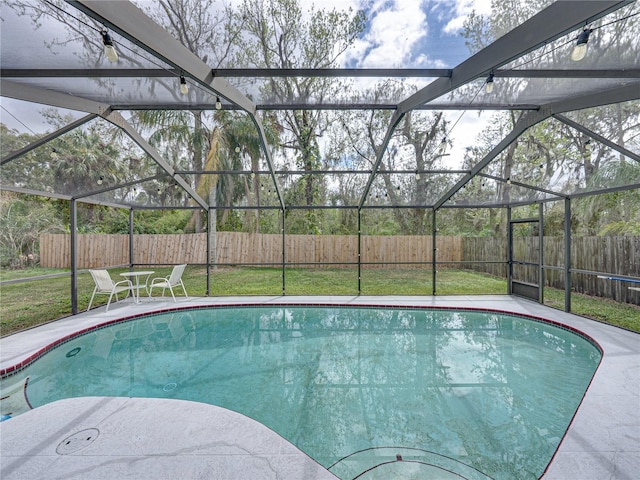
{"x":237,"y":149}
{"x":580,"y":49}
{"x":100,"y":180}
{"x":218,"y":104}
{"x":488,"y":86}
{"x":109,"y":49}
{"x":184,"y":88}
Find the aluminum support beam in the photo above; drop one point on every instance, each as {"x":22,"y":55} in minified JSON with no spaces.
{"x":73,"y":247}
{"x":556,"y":20}
{"x":523,"y":185}
{"x":131,"y":22}
{"x":118,"y":186}
{"x":525,"y":123}
{"x":265,"y":148}
{"x":209,"y":258}
{"x":315,"y":73}
{"x":622,"y":94}
{"x":44,"y":96}
{"x":434,"y":250}
{"x":567,"y":255}
{"x":118,"y":120}
{"x":47,"y":138}
{"x":541,"y":253}
{"x":131,"y":254}
{"x":395,"y":120}
{"x":509,"y":252}
{"x":599,"y":138}
{"x":551,"y":23}
{"x":63,"y":100}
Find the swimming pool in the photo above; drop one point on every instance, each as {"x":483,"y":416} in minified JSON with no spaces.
{"x":361,"y":390}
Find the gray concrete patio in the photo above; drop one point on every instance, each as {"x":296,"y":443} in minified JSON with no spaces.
{"x":106,"y":438}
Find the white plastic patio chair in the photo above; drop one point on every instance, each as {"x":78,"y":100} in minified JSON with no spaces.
{"x":106,"y":286}
{"x":173,"y":280}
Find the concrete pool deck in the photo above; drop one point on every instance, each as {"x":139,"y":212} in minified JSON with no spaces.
{"x":120,"y":437}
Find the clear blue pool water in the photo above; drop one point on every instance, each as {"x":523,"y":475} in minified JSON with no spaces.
{"x":467,"y":394}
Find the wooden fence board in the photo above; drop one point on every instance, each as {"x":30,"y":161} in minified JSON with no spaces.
{"x":237,"y":248}
{"x":612,"y":255}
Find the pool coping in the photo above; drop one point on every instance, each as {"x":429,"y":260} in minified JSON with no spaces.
{"x":602,"y":441}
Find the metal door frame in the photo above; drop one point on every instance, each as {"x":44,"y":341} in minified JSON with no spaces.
{"x":524,"y":289}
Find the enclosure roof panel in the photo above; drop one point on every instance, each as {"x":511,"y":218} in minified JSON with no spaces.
{"x":52,"y":55}
{"x":63,"y":46}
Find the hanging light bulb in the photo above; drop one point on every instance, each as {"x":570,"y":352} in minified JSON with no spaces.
{"x":488,"y":86}
{"x":443,"y":146}
{"x":237,"y":149}
{"x":218,"y":104}
{"x":100,"y":181}
{"x":184,"y":88}
{"x":54,"y":154}
{"x":587,"y":145}
{"x":580,"y":49}
{"x":417,"y":175}
{"x":109,"y":49}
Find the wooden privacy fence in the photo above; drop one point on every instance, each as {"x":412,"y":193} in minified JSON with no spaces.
{"x":246,"y":248}
{"x":612,"y":255}
{"x":617,"y":255}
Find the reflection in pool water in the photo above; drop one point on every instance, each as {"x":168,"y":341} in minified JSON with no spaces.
{"x":483,"y":395}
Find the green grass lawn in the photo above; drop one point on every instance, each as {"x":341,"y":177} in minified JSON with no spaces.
{"x":23,"y":305}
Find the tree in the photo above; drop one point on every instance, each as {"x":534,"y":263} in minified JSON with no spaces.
{"x":413,"y":147}
{"x":278,"y":34}
{"x":22,"y":221}
{"x":552,"y":155}
{"x":210,"y":33}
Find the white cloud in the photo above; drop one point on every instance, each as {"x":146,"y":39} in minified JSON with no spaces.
{"x":461,"y":10}
{"x":394,"y":30}
{"x":468,"y":125}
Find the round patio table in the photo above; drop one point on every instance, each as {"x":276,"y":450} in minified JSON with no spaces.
{"x":137,"y":275}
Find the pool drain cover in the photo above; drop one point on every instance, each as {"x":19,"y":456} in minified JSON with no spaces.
{"x":77,"y":441}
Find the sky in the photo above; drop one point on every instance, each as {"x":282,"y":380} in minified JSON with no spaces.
{"x":398,"y":34}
